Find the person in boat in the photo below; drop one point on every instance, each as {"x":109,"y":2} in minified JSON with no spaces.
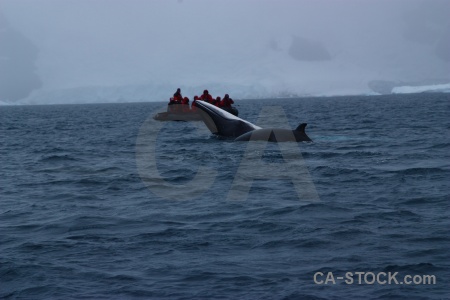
{"x":177,"y":96}
{"x":185,"y":100}
{"x":206,"y":97}
{"x":217,"y":102}
{"x":172,"y":101}
{"x":226,"y":101}
{"x":176,"y":99}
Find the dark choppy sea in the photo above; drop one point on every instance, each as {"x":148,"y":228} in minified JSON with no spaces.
{"x":102,"y":202}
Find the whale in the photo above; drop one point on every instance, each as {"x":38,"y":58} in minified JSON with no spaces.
{"x":276,"y":135}
{"x":224,"y":124}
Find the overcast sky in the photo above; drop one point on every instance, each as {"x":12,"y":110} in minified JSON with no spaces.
{"x":119,"y":42}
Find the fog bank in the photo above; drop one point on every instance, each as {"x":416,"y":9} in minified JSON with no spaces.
{"x":110,"y":50}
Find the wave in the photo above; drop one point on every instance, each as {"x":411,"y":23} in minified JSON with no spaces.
{"x":57,"y":158}
{"x":416,"y":268}
{"x":416,"y":170}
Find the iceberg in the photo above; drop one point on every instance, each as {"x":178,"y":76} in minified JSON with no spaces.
{"x":436,"y":88}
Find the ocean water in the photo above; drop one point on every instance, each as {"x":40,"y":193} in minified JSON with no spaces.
{"x":101,"y":202}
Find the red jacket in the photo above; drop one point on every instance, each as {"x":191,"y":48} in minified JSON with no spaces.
{"x":206,"y":97}
{"x":226,"y":102}
{"x":178,"y":98}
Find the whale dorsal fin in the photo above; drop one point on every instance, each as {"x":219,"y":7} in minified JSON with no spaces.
{"x":301,"y":127}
